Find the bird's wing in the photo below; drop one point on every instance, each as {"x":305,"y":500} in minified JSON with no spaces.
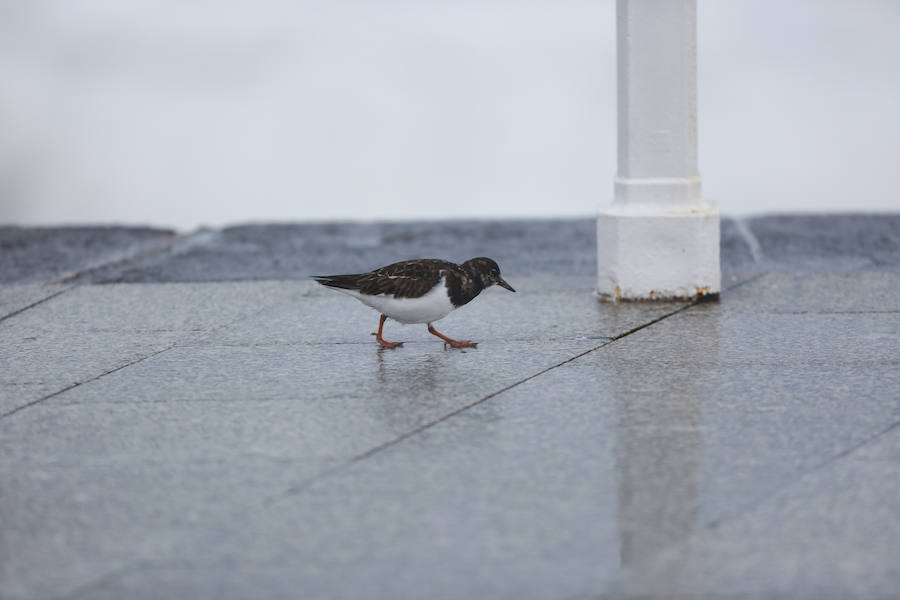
{"x":407,"y":279}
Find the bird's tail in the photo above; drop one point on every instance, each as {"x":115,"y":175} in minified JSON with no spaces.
{"x":344,"y":282}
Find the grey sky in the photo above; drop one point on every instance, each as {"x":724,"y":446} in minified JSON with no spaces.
{"x":211,"y":113}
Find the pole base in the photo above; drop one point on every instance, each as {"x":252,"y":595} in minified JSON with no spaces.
{"x":658,"y":257}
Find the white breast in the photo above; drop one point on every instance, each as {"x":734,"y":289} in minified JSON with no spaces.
{"x":431,"y":307}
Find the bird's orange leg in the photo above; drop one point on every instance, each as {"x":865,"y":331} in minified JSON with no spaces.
{"x":381,"y":340}
{"x":453,"y":343}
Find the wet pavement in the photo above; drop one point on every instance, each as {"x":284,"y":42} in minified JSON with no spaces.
{"x":220,"y":427}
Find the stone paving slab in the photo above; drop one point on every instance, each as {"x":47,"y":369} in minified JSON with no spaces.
{"x":66,"y":523}
{"x":487,"y":504}
{"x":88,"y":331}
{"x":796,"y":293}
{"x":832,"y":533}
{"x":150,"y":308}
{"x":36,"y":363}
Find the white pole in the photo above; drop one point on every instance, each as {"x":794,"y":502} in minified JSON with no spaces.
{"x":659,"y":239}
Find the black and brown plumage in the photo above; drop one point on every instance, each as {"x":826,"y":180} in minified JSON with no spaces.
{"x":423,"y":290}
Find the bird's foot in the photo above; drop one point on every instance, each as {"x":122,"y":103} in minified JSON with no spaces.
{"x":384,"y":343}
{"x":453,"y":343}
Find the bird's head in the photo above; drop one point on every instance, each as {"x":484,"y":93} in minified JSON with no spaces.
{"x":487,"y":271}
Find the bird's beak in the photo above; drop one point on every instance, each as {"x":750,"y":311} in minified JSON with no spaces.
{"x":502,"y":283}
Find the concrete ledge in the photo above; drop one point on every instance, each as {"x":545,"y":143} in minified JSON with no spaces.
{"x":41,"y":254}
{"x":557,"y":247}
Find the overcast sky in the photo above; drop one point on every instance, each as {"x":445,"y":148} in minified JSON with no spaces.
{"x":206,"y":113}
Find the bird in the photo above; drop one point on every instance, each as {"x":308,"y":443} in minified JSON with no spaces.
{"x":421,"y":290}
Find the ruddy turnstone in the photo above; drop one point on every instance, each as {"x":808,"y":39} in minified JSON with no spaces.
{"x":423,"y":290}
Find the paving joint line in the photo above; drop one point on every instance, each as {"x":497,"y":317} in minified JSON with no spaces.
{"x":36,"y":303}
{"x":175,"y":344}
{"x":10,"y":413}
{"x":425,"y":426}
{"x":372,"y":451}
{"x":799,"y":476}
{"x":858,"y":446}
